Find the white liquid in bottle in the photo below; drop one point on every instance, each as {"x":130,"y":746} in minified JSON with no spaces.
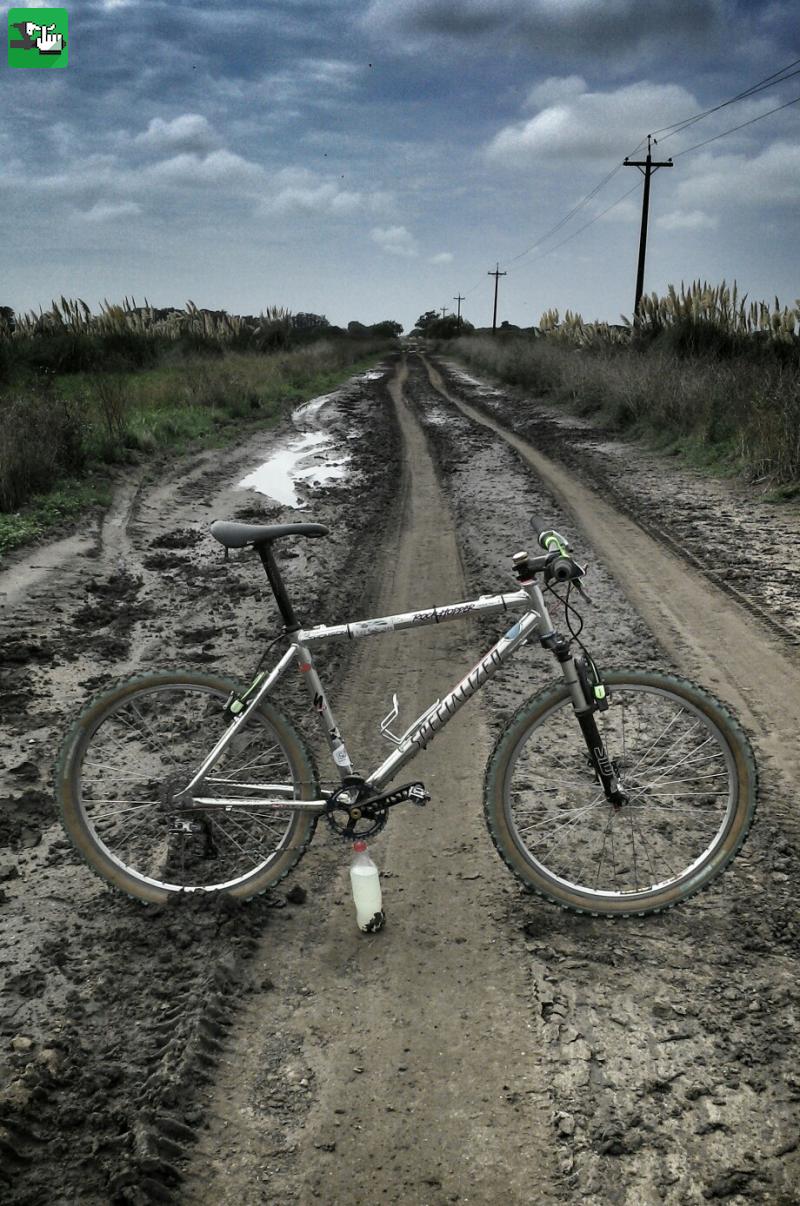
{"x":366,"y":886}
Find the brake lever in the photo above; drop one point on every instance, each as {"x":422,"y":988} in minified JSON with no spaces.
{"x":585,"y":594}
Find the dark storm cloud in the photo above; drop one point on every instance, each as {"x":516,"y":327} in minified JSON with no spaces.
{"x":596,"y":26}
{"x":319,"y":141}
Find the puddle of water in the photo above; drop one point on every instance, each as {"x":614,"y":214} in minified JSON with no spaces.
{"x":305,"y":456}
{"x":437,"y":417}
{"x":309,"y":410}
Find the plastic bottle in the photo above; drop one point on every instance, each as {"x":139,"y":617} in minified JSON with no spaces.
{"x":366,"y":890}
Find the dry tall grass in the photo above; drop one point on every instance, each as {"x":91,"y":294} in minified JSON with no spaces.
{"x":82,"y":387}
{"x":702,"y":365}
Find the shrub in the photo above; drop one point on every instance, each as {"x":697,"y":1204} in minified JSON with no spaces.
{"x":43,"y":439}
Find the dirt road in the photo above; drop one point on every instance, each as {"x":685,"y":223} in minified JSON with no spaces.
{"x":484,"y":1047}
{"x":704,"y":632}
{"x":417,"y":1044}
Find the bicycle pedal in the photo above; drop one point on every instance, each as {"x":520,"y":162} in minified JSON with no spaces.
{"x":418,"y":795}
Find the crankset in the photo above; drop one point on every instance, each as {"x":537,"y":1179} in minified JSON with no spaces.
{"x":353,"y":813}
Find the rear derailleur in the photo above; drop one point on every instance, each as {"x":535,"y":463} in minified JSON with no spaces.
{"x":353,"y":811}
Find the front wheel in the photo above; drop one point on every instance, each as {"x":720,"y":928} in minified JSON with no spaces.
{"x":130,"y":755}
{"x":684,"y":764}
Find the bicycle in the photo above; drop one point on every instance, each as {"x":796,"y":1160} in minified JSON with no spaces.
{"x":617,"y":793}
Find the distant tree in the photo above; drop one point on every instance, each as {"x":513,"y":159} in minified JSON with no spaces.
{"x":309,"y":322}
{"x":386,"y":329}
{"x":356,"y":328}
{"x":427,"y":320}
{"x":7,"y":318}
{"x":448,"y":328}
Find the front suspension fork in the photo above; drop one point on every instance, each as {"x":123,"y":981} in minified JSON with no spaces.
{"x":586,"y":700}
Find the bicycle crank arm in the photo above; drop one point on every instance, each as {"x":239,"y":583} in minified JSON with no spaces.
{"x":415,"y":793}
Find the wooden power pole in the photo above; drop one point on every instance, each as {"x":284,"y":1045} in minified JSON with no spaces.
{"x":496,"y":274}
{"x":646,"y":167}
{"x":459,"y":298}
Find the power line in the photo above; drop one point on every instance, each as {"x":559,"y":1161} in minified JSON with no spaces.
{"x":777,"y":77}
{"x":733,"y":129}
{"x":575,"y":209}
{"x":566,"y":218}
{"x":586,"y":225}
{"x":768,"y":82}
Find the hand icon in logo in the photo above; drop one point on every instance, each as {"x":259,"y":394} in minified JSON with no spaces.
{"x":48,"y":42}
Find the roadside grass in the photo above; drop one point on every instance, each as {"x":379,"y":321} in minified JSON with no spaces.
{"x":61,"y":433}
{"x":45,"y":512}
{"x":731,"y":413}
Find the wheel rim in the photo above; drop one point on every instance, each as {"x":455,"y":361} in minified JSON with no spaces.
{"x":142,"y":751}
{"x":673,"y":763}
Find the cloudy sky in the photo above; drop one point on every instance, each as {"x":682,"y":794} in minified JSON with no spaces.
{"x":373,"y":160}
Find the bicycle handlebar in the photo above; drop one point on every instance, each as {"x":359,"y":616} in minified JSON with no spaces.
{"x":562,"y":568}
{"x":548,"y":538}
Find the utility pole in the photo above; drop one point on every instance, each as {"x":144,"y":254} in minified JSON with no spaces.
{"x":496,"y":274}
{"x":646,"y":168}
{"x":444,"y":311}
{"x":459,"y":299}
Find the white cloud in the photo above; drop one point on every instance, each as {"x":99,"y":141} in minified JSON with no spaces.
{"x":106,"y":211}
{"x":189,"y":132}
{"x":307,"y":81}
{"x":442,"y":257}
{"x":555,"y":88}
{"x":301,"y":189}
{"x":625,"y":211}
{"x":396,"y":240}
{"x":592,"y":124}
{"x":681,"y":219}
{"x":770,"y":177}
{"x":220,"y":167}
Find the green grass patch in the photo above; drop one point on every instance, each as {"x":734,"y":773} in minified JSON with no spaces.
{"x":68,"y":427}
{"x":783,"y":494}
{"x":47,"y":511}
{"x":717,"y":458}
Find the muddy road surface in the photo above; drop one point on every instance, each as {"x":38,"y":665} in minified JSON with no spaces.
{"x":485,"y":1046}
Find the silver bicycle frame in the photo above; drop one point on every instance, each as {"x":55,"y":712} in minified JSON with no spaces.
{"x":534,"y":622}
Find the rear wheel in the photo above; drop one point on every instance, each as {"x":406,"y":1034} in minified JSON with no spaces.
{"x":132,"y":752}
{"x":684,"y":764}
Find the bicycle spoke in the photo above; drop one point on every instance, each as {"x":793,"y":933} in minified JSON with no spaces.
{"x":602,"y":851}
{"x":138,"y":758}
{"x":134,"y":806}
{"x":676,"y":778}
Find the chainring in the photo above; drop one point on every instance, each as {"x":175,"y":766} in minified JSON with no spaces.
{"x":348,"y":818}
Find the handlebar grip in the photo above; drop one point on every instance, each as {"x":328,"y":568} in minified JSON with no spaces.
{"x":547,"y":538}
{"x":539,"y":526}
{"x":562,"y":569}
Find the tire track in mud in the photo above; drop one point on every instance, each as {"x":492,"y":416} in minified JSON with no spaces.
{"x":666,"y":1040}
{"x":415,"y":1046}
{"x":704,"y":632}
{"x":113,"y":1015}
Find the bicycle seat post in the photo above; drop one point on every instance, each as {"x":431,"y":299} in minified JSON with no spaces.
{"x":290,"y":620}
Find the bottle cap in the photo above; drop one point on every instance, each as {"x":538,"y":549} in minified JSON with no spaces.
{"x":359,"y":846}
